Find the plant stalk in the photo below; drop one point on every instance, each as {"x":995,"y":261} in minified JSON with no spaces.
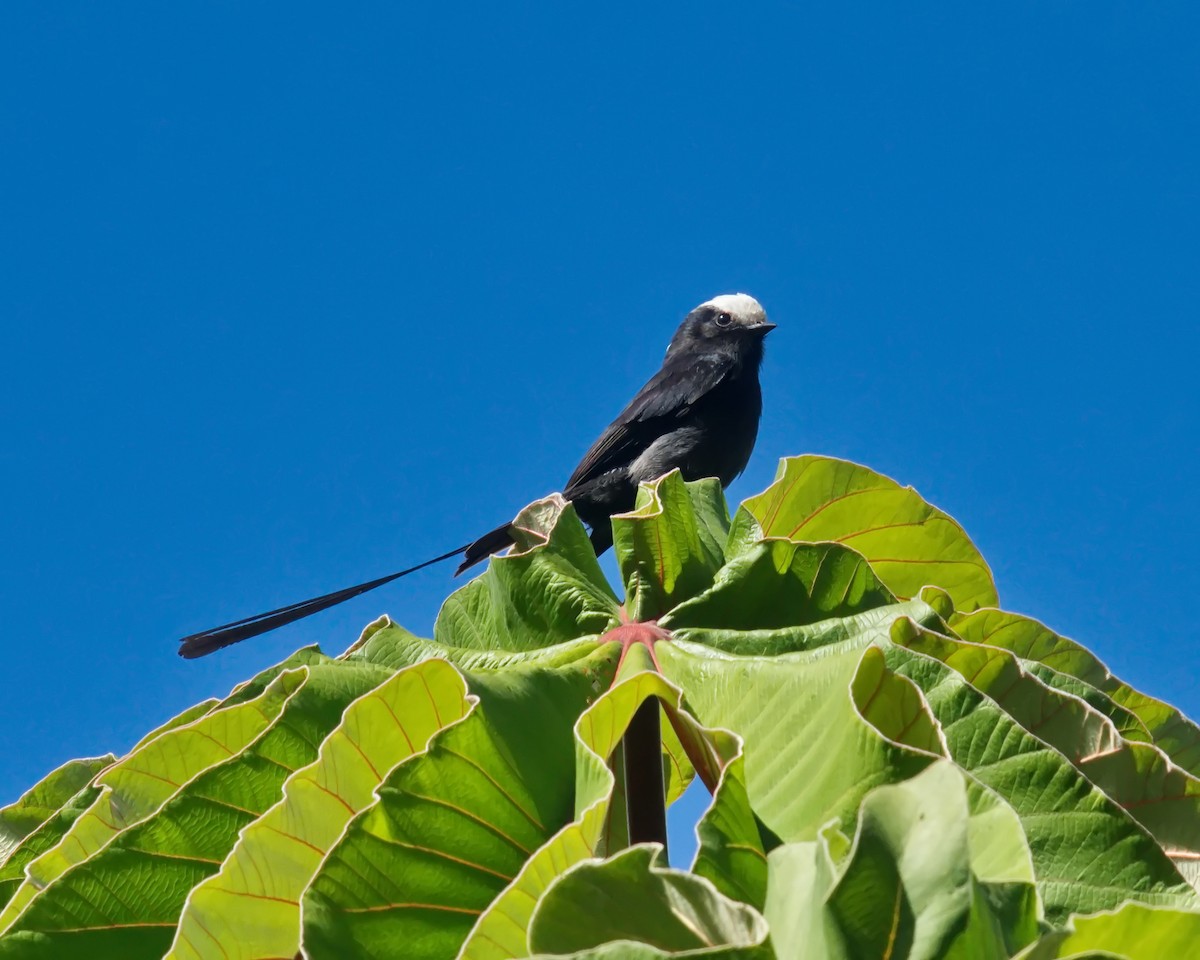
{"x":645,"y":793}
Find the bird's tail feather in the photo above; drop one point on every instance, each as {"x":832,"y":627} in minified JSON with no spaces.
{"x":207,"y":641}
{"x":491,"y":542}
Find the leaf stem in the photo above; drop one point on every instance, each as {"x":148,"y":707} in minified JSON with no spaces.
{"x":644,"y":788}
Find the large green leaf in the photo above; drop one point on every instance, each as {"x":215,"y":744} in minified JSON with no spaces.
{"x":450,"y":831}
{"x":51,"y":830}
{"x":800,"y":877}
{"x":1065,"y":722}
{"x":1161,"y":797}
{"x":661,"y":913}
{"x":1164,"y":799}
{"x":41,"y":801}
{"x":779,"y":585}
{"x":916,"y":839}
{"x":731,"y":853}
{"x":810,"y":753}
{"x":386,"y":643}
{"x":1034,"y":642}
{"x":908,"y":542}
{"x":391,"y":646}
{"x":251,"y":907}
{"x":137,"y":786}
{"x":194,"y":712}
{"x":502,"y":930}
{"x":1089,"y":853}
{"x":928,"y":877}
{"x":107,"y":906}
{"x":670,"y":546}
{"x":1135,"y":931}
{"x":249,"y":689}
{"x":43,"y":839}
{"x":732,"y":846}
{"x":547,"y":590}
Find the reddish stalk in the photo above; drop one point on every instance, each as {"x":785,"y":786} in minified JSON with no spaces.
{"x":645,"y":788}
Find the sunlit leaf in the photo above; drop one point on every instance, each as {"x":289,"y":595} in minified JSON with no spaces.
{"x":41,"y":801}
{"x":547,"y":590}
{"x":251,"y":907}
{"x":138,"y":785}
{"x":627,"y":898}
{"x":448,"y":833}
{"x":106,"y":900}
{"x":40,"y":818}
{"x":1132,"y":932}
{"x":908,"y":542}
{"x":1088,"y":852}
{"x":670,"y":546}
{"x":917,"y":882}
{"x":1032,"y":641}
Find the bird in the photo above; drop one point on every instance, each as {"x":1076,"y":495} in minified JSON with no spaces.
{"x":699,"y":414}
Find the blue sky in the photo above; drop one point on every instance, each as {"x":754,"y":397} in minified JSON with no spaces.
{"x":294,"y":296}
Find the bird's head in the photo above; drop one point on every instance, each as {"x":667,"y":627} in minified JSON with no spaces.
{"x":732,"y":321}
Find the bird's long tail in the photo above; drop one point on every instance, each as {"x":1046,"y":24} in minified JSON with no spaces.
{"x":203,"y":643}
{"x":491,"y":542}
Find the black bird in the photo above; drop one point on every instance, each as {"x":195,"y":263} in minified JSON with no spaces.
{"x":699,"y":413}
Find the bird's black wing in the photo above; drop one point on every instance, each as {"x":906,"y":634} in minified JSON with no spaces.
{"x":668,"y":395}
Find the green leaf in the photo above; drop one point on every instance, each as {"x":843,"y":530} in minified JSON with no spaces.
{"x":1032,"y":641}
{"x":1065,"y":722}
{"x":1134,"y":931}
{"x":731,"y":852}
{"x":249,"y":689}
{"x":1137,"y":776}
{"x":453,"y":828}
{"x":138,"y":785}
{"x":939,"y":599}
{"x":678,"y":771}
{"x":41,"y":801}
{"x":800,"y":877}
{"x":908,"y":542}
{"x":916,"y":883}
{"x":390,"y":645}
{"x":1089,"y":854}
{"x":501,"y":932}
{"x":1161,"y":797}
{"x":549,"y":589}
{"x":825,"y":633}
{"x":1127,"y":723}
{"x":894,"y":706}
{"x":914,"y":840}
{"x":394,"y":647}
{"x":810,"y":755}
{"x":779,"y":585}
{"x":44,"y":838}
{"x":103,"y":900}
{"x":194,"y":712}
{"x":627,"y":898}
{"x":251,"y":907}
{"x":670,"y":546}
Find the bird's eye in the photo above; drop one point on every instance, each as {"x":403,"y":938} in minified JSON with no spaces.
{"x":724,"y":319}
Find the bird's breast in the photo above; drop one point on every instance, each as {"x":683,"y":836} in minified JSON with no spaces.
{"x":713,"y":438}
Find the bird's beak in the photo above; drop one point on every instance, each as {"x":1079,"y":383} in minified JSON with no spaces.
{"x":764,"y":328}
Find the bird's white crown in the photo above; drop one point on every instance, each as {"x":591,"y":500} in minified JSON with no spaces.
{"x":741,"y":306}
